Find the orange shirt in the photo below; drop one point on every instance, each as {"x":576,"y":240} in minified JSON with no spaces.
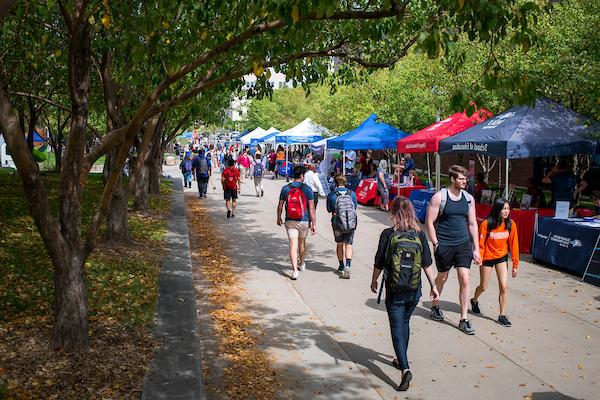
{"x":497,"y":244}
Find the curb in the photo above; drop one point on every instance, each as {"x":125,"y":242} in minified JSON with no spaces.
{"x":175,"y":371}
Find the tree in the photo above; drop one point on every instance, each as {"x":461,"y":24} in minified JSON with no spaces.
{"x":201,"y":47}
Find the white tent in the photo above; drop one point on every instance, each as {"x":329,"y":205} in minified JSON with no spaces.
{"x":258,"y":132}
{"x":305,"y":128}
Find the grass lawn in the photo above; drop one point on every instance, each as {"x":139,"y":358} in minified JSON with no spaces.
{"x":122,"y":286}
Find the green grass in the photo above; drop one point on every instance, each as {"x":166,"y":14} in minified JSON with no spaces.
{"x":121,"y":281}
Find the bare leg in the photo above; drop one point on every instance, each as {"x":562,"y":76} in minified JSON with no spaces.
{"x":484,"y":280}
{"x":339,"y":249}
{"x":233,"y":204}
{"x":302,"y":249}
{"x":294,"y":253}
{"x":348,"y":248}
{"x":440,"y":280}
{"x":228,"y":205}
{"x":502,"y":274}
{"x":464,"y":291}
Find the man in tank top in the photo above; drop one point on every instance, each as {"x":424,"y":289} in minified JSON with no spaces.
{"x":452,"y":227}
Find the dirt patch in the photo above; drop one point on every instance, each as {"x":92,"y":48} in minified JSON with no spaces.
{"x":113,"y":369}
{"x":237,"y":367}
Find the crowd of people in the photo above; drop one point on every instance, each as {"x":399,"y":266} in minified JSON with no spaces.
{"x":403,"y":250}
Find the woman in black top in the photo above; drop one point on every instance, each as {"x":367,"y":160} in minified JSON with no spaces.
{"x":401,"y":304}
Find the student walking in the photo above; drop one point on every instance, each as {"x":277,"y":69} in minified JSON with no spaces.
{"x":312,"y":180}
{"x":243,"y":161}
{"x":230,"y":179}
{"x":402,"y":253}
{"x":186,"y":169}
{"x":455,"y":240}
{"x":203,"y":168}
{"x":498,"y":235}
{"x":341,"y":203}
{"x":257,"y":174}
{"x":383,"y":186}
{"x":300,"y":217}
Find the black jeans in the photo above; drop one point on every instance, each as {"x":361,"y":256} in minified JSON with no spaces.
{"x":400,"y":306}
{"x":202,"y":185}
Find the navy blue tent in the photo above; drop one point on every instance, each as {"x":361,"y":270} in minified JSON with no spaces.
{"x":371,"y":134}
{"x":548,"y":129}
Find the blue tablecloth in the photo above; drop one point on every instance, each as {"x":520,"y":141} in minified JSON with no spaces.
{"x":565,"y":244}
{"x":420,"y":200}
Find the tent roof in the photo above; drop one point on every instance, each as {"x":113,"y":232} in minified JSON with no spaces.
{"x":267,"y":134}
{"x":258,"y":132}
{"x":548,"y":129}
{"x":427,"y":139}
{"x":305,"y":132}
{"x":370,"y":134}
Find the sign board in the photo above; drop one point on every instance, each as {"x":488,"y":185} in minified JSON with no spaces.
{"x":592,"y":272}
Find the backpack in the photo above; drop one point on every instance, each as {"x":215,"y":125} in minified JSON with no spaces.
{"x":203,"y":166}
{"x":187,"y":166}
{"x":295,"y":204}
{"x":258,"y":170}
{"x":345,"y":212}
{"x":404,"y":260}
{"x":230,"y":181}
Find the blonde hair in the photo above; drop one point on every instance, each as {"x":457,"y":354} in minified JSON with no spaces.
{"x":403,"y":214}
{"x":383,"y":164}
{"x":340,"y":180}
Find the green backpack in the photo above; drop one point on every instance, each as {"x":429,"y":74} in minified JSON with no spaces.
{"x":405,"y":257}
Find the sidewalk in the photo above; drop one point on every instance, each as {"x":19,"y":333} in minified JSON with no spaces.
{"x":331,"y":340}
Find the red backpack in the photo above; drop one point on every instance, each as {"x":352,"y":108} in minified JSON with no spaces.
{"x":295,"y":204}
{"x":230,"y":178}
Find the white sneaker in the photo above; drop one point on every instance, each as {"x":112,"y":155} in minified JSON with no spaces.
{"x":346,"y":273}
{"x":295,"y":275}
{"x":302,"y":267}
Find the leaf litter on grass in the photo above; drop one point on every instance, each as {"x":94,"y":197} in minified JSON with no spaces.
{"x":248,"y":371}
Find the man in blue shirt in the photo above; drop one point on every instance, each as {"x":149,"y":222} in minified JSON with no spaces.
{"x":202,"y":168}
{"x":299,"y":217}
{"x":409,"y":164}
{"x":343,"y":239}
{"x":563,"y":182}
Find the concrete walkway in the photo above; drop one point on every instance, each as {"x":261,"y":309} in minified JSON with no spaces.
{"x":331,"y":340}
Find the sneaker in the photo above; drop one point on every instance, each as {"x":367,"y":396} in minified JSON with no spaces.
{"x":465,"y":326}
{"x":346,"y":273}
{"x":340,"y":271}
{"x":503,"y":320}
{"x":406,"y":378}
{"x":302,"y":267}
{"x":436,"y":314}
{"x":475,"y":307}
{"x":295,"y":275}
{"x":262,"y":193}
{"x":228,"y":214}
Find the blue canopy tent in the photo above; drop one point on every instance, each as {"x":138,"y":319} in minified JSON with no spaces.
{"x":370,"y":134}
{"x":186,"y":135}
{"x":241,"y":135}
{"x":548,"y":129}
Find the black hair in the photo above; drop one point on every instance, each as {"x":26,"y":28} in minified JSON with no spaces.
{"x":494,"y":219}
{"x":230,"y":162}
{"x":480,"y":177}
{"x":299,"y":170}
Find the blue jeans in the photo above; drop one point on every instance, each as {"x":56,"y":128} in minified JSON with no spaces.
{"x":400,"y":306}
{"x":187,"y":178}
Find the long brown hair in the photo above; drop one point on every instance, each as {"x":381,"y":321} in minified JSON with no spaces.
{"x":403,"y":214}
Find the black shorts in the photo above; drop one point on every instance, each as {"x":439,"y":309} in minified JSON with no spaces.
{"x":341,"y":237}
{"x":447,"y":257}
{"x":492,"y":263}
{"x":230,"y":194}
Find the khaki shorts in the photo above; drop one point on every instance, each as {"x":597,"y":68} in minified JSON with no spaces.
{"x":296,"y":229}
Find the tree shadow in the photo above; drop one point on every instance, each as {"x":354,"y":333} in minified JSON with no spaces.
{"x":549,"y":396}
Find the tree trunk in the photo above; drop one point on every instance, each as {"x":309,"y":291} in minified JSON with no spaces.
{"x":155,"y":159}
{"x":117,"y":222}
{"x":141,"y":170}
{"x":71,"y":299}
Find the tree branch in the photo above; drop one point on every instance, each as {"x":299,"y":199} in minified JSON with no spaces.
{"x":48,"y":101}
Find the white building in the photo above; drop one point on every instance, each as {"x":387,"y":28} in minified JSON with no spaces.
{"x":238,"y":108}
{"x":6,"y":160}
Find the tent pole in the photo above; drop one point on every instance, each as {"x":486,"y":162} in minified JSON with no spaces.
{"x":437,"y":171}
{"x":287,"y":177}
{"x":428,"y":169}
{"x":344,"y":162}
{"x":398,"y":163}
{"x":506,"y":181}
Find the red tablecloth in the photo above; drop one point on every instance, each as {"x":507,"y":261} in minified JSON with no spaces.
{"x":524,"y":219}
{"x":366,"y":192}
{"x":404,"y":191}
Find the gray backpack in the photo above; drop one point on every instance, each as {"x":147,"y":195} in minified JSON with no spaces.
{"x":345,"y":212}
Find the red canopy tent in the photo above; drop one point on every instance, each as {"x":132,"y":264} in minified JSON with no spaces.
{"x":427,"y":139}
